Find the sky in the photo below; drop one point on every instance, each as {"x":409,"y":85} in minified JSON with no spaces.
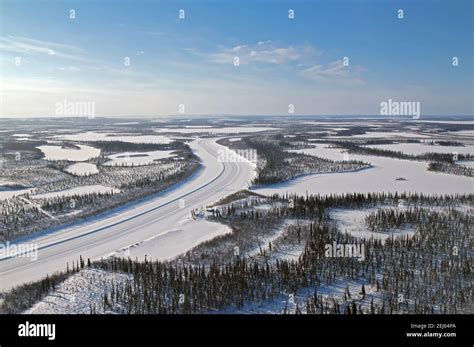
{"x":139,"y":58}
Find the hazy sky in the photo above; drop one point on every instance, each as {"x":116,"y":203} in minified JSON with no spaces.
{"x":48,"y":57}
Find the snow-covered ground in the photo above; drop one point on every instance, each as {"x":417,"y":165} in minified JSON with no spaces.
{"x":95,"y":136}
{"x":83,"y":190}
{"x":419,"y":148}
{"x":170,"y":243}
{"x":377,"y":134}
{"x":381,"y":178}
{"x":290,"y":301}
{"x":136,"y":158}
{"x":6,"y":192}
{"x":82,"y":169}
{"x":160,"y":225}
{"x":78,"y":293}
{"x":469,"y":133}
{"x":353,"y":222}
{"x":467,"y":122}
{"x":72,"y":154}
{"x":208,"y":130}
{"x":83,"y":290}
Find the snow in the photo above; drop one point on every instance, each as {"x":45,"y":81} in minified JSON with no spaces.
{"x":10,"y":193}
{"x":82,"y":169}
{"x":167,"y":245}
{"x":72,"y":154}
{"x":353,"y":222}
{"x":126,"y":123}
{"x":224,"y":130}
{"x":82,"y":190}
{"x":323,"y":150}
{"x":84,"y":289}
{"x":380,"y":178}
{"x":377,"y":134}
{"x":419,"y":148}
{"x":446,"y":121}
{"x":289,"y":300}
{"x":136,"y":158}
{"x":463,"y":132}
{"x":95,"y":136}
{"x":78,"y":292}
{"x":142,"y":223}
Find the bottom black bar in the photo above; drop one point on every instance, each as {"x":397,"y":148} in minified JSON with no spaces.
{"x":406,"y":329}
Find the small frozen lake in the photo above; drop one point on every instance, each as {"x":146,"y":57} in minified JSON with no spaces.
{"x":381,"y":178}
{"x":72,"y":154}
{"x":82,"y":169}
{"x":137,"y":158}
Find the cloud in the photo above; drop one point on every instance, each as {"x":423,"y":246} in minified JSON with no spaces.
{"x":69,"y":68}
{"x":23,"y":45}
{"x":154,"y":33}
{"x":335,"y":70}
{"x":262,"y":52}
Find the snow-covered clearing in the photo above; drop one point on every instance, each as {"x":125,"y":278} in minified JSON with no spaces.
{"x":207,"y":130}
{"x":420,"y":148}
{"x":137,"y":158}
{"x":463,"y":133}
{"x":381,"y":134}
{"x":353,"y":222}
{"x":467,"y":122}
{"x":290,"y":301}
{"x":8,"y":193}
{"x":83,"y":190}
{"x":72,"y":154}
{"x":381,"y":178}
{"x":168,"y":244}
{"x":95,"y":136}
{"x":82,"y":169}
{"x":78,"y":293}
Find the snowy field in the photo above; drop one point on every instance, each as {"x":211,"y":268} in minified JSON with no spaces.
{"x":72,"y":154}
{"x":8,"y":193}
{"x":420,"y":148}
{"x":381,"y":178}
{"x":83,"y":190}
{"x":96,"y":136}
{"x":353,"y":222}
{"x":179,"y":239}
{"x":82,"y":169}
{"x":388,"y":134}
{"x":77,"y":293}
{"x":137,"y":158}
{"x":208,"y":130}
